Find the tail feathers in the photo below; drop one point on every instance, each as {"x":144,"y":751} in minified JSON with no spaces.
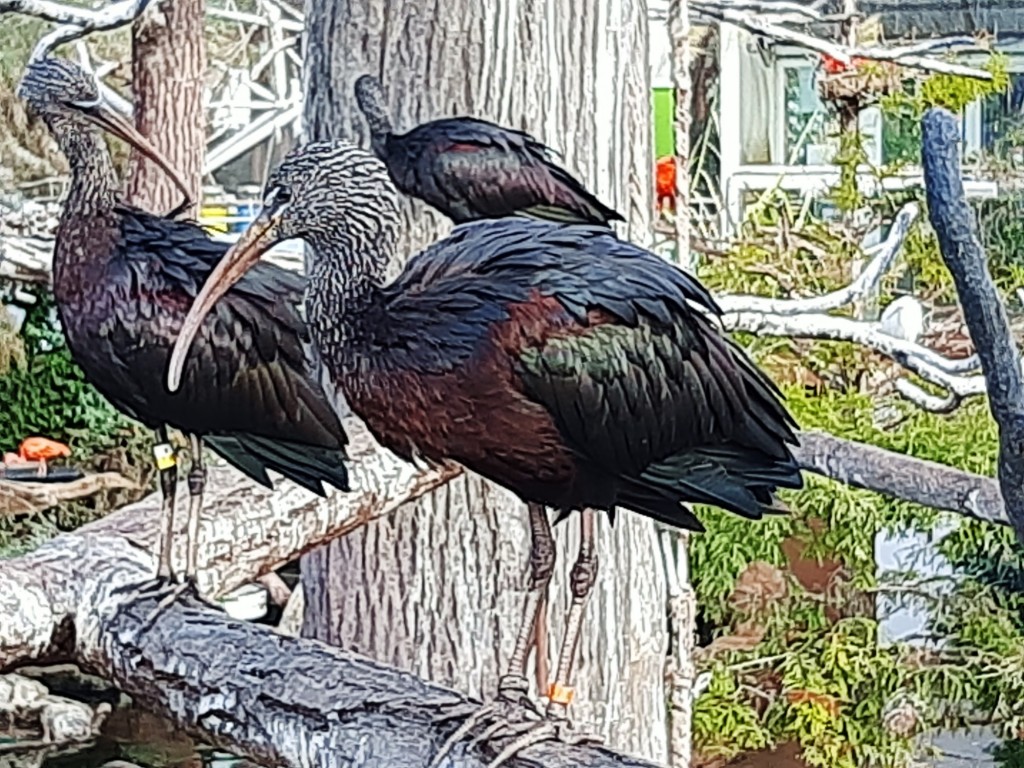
{"x":306,"y":465}
{"x":741,"y":482}
{"x":578,"y":196}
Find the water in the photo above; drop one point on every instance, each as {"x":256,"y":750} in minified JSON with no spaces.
{"x":129,"y":735}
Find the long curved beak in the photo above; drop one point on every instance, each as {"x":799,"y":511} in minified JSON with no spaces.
{"x":105,"y":116}
{"x":258,"y":238}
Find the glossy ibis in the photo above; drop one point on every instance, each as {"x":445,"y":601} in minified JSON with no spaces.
{"x":472,"y":169}
{"x":123,"y":281}
{"x":578,"y":370}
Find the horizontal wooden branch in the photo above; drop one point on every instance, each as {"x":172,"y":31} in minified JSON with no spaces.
{"x":24,"y":498}
{"x":902,"y":477}
{"x":244,"y":688}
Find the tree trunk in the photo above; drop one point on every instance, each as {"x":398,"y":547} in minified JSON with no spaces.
{"x":437,"y":588}
{"x":168,"y":63}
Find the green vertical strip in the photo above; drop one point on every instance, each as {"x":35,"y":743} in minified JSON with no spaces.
{"x":664,"y":135}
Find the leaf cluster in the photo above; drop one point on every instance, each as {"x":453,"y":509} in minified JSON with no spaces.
{"x":46,"y":394}
{"x":819,"y":673}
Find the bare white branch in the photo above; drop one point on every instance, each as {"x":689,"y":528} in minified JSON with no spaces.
{"x":926,"y":363}
{"x":73,"y":21}
{"x":768,"y":25}
{"x":865,"y":284}
{"x":925,"y":400}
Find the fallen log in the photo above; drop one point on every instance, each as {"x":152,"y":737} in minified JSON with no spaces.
{"x":242,"y":687}
{"x":24,"y":498}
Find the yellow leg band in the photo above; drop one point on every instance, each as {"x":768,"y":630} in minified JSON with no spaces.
{"x":164,"y":454}
{"x":560,"y":694}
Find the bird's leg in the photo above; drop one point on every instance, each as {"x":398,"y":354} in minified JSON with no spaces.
{"x":196,"y":485}
{"x":542,"y":673}
{"x":509,"y":719}
{"x":162,"y":586}
{"x":582,"y":579}
{"x":167,"y":467}
{"x":513,"y":685}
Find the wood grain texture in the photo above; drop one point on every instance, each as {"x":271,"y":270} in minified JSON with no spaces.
{"x":437,"y":589}
{"x":168,"y":65}
{"x":236,"y":685}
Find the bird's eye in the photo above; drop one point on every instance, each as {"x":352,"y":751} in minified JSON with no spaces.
{"x":277,"y":196}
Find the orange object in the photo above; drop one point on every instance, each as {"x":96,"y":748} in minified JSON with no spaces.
{"x":41,"y":449}
{"x":560,"y":694}
{"x":665,"y":181}
{"x":832,"y":65}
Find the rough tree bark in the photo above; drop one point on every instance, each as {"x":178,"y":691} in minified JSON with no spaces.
{"x":682,"y":603}
{"x":448,"y":574}
{"x":239,"y":686}
{"x":168,"y":64}
{"x":957,"y":231}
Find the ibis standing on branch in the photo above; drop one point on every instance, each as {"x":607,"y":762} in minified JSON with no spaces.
{"x":472,"y":169}
{"x":578,"y":370}
{"x":123,"y":280}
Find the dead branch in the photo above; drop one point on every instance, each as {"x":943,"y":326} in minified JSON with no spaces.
{"x":17,"y":498}
{"x":73,"y":21}
{"x":276,"y":699}
{"x":923,"y":482}
{"x":768,"y":20}
{"x":957,"y":232}
{"x":883,"y":256}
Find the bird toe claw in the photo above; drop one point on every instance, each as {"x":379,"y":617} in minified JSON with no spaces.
{"x":507,"y":720}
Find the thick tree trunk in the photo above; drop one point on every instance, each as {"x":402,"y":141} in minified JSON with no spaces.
{"x":168,"y":64}
{"x":437,"y":589}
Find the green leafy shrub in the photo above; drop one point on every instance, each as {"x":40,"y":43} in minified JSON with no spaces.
{"x":47,"y":394}
{"x":816,"y":672}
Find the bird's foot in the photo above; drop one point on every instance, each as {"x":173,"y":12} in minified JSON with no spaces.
{"x":167,"y":590}
{"x":512,"y":718}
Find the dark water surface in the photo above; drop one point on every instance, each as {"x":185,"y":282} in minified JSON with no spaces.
{"x":129,"y":735}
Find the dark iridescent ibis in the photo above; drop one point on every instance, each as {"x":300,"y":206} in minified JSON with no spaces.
{"x":579,"y":371}
{"x":123,"y":280}
{"x":472,"y":169}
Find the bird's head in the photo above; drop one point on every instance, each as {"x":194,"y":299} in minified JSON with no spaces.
{"x":374,"y":106}
{"x":51,"y":85}
{"x":65,"y":97}
{"x":334,"y":195}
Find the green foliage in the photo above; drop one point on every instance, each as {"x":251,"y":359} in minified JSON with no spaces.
{"x":47,"y":395}
{"x":816,"y":672}
{"x":904,"y":109}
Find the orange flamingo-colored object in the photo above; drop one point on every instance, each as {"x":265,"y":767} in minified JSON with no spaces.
{"x":37,"y":449}
{"x":665,"y":182}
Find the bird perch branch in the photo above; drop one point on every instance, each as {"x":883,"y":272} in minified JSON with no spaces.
{"x":17,"y":498}
{"x":957,"y":232}
{"x":768,"y":23}
{"x":73,"y":21}
{"x":247,"y":689}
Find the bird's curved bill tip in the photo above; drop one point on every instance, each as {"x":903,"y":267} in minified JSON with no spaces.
{"x":239,"y":259}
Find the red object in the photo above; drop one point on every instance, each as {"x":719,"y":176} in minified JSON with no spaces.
{"x":41,"y":449}
{"x":832,"y":65}
{"x":665,"y":184}
{"x":37,"y":450}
